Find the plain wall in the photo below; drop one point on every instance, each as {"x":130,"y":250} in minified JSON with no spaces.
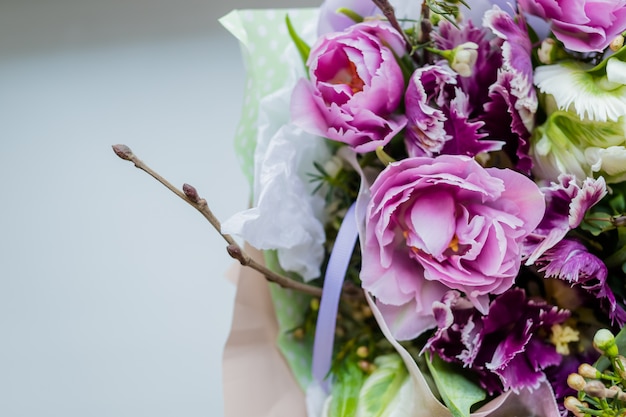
{"x":113,"y":296}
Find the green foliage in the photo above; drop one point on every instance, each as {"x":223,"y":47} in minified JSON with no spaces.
{"x":381,"y":390}
{"x":303,"y":48}
{"x":457,"y":392}
{"x":448,"y":10}
{"x":345,"y":392}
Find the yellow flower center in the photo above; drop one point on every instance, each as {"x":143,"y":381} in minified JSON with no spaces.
{"x":561,"y":337}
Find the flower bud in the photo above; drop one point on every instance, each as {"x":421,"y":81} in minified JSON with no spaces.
{"x":573,"y":405}
{"x":546,"y":50}
{"x":604,"y":341}
{"x":588,"y":371}
{"x":595,"y":388}
{"x":464,"y":58}
{"x":617,"y":43}
{"x":362,"y":352}
{"x":576,"y":382}
{"x":366,"y":366}
{"x":298,"y":333}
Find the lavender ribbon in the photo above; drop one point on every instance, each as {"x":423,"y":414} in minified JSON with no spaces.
{"x":333,"y":283}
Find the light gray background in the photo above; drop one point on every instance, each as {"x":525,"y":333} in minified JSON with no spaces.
{"x":113,"y":297}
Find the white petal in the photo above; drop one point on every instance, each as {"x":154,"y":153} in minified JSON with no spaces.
{"x":573,"y":88}
{"x":616,"y":71}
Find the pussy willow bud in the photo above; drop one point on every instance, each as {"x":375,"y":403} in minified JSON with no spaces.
{"x":588,"y":371}
{"x":191,"y":193}
{"x":576,"y":382}
{"x":604,"y":341}
{"x":123,"y":152}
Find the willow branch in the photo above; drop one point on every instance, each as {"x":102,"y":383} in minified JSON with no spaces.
{"x":390,"y":14}
{"x":190,"y":195}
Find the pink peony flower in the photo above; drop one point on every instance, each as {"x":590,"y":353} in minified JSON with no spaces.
{"x":435,"y":224}
{"x":582,"y":25}
{"x":355,"y":86}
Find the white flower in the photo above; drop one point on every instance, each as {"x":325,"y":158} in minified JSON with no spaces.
{"x":565,"y":144}
{"x":610,"y":161}
{"x":600,"y":97}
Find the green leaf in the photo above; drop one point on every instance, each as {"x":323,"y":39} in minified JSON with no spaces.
{"x":597,"y":222}
{"x":457,"y":392}
{"x":303,"y":48}
{"x":382,"y":391}
{"x":356,"y":18}
{"x":600,"y":69}
{"x":618,"y":203}
{"x":345,"y":392}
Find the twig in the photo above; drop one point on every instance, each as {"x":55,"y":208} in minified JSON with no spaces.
{"x":190,"y":195}
{"x":390,"y":15}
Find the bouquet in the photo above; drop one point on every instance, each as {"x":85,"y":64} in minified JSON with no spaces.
{"x":439,"y":190}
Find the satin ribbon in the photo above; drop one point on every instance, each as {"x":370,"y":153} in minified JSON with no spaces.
{"x":331,"y":293}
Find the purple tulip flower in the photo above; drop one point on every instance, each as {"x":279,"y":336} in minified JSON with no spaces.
{"x":355,"y":86}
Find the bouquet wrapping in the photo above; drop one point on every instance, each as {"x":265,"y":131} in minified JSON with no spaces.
{"x":451,"y":178}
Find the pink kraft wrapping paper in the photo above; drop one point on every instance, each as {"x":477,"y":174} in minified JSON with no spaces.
{"x":257,"y":380}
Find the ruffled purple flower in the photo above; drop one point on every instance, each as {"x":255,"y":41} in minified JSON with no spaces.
{"x":504,"y":348}
{"x":570,"y":260}
{"x":566,"y":205}
{"x":354,"y":88}
{"x":435,"y":224}
{"x":582,"y":25}
{"x":467,"y":136}
{"x":557,"y":375}
{"x":442,"y":107}
{"x":425,"y":134}
{"x":509,"y":114}
{"x":488,"y":59}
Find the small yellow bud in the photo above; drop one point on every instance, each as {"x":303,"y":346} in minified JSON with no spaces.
{"x":315,"y":304}
{"x":573,"y":405}
{"x":298,"y":334}
{"x":362,"y":352}
{"x":576,"y":382}
{"x":588,"y":371}
{"x":617,"y":43}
